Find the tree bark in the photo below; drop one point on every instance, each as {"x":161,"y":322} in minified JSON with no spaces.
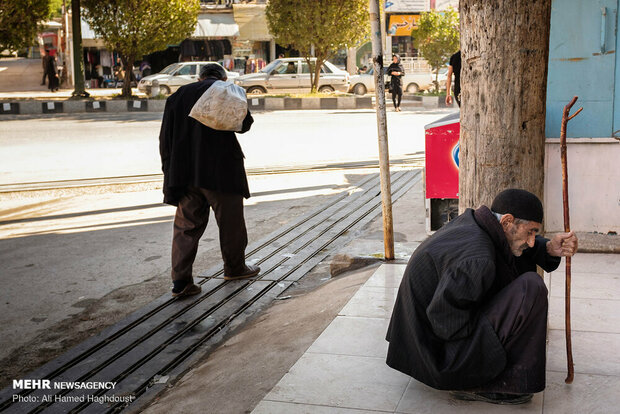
{"x":505,"y":49}
{"x":128,"y":67}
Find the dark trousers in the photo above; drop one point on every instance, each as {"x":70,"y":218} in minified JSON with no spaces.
{"x":518,"y":314}
{"x":191,"y":221}
{"x":397,"y":95}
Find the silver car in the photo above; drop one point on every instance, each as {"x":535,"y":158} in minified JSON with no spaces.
{"x":172,"y":77}
{"x":412,"y":82}
{"x":293,"y":75}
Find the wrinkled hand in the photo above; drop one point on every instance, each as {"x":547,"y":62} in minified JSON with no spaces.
{"x":563,"y":244}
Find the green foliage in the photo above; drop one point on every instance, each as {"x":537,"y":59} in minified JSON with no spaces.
{"x":328,"y":25}
{"x":134,"y":28}
{"x":437,"y":37}
{"x":56,"y":7}
{"x":20,"y":22}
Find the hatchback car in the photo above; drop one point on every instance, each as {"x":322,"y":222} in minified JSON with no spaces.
{"x":172,"y":77}
{"x":293,"y":75}
{"x":412,"y":82}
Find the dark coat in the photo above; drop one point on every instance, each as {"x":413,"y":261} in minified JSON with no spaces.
{"x":396,"y":80}
{"x":436,"y":333}
{"x":194,"y":155}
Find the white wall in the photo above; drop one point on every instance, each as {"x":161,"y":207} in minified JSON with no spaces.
{"x":593,"y":181}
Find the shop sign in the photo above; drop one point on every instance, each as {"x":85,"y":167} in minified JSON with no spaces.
{"x":402,"y":24}
{"x":400,"y":6}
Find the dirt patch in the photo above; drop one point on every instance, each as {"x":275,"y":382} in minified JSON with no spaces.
{"x":236,"y":376}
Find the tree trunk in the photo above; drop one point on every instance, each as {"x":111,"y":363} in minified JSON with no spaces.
{"x":317,"y":75}
{"x":128,"y":67}
{"x":504,"y":48}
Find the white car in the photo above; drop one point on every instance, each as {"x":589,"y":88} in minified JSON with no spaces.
{"x":172,"y":77}
{"x":293,"y":75}
{"x":412,"y":82}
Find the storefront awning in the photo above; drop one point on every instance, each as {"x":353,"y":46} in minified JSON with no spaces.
{"x":89,"y":38}
{"x":216,"y":25}
{"x":252,"y":22}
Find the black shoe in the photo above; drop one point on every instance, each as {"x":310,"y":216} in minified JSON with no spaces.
{"x":189,"y":290}
{"x":249,"y":271}
{"x":492,"y":397}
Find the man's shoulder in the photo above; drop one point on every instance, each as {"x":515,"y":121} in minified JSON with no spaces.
{"x":462,"y":236}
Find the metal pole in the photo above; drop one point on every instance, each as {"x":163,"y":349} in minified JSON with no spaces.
{"x":384,"y":153}
{"x":78,"y":58}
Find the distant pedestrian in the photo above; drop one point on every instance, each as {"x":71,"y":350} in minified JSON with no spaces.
{"x":203,"y":168}
{"x":396,"y":72}
{"x":44,"y":62}
{"x":454,"y":67}
{"x":52,"y":73}
{"x":145,"y":69}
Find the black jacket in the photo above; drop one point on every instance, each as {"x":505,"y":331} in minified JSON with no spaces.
{"x":396,"y":80}
{"x":436,"y":333}
{"x":194,"y":155}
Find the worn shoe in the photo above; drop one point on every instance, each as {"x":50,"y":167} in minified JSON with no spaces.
{"x":190,"y":290}
{"x":492,"y":397}
{"x":249,"y":271}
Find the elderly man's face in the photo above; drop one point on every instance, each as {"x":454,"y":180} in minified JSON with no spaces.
{"x":520,"y":236}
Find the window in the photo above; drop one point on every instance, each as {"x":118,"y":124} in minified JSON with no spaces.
{"x":287,"y":68}
{"x":187,"y":70}
{"x":304,"y":68}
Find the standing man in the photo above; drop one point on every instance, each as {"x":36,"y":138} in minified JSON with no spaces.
{"x":471,"y":311}
{"x":454,"y":67}
{"x":203,"y":168}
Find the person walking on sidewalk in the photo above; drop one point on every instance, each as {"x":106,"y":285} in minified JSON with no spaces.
{"x":203,"y":168}
{"x":454,"y":67}
{"x":471,"y":311}
{"x":396,"y":72}
{"x":44,"y":62}
{"x":52,"y":73}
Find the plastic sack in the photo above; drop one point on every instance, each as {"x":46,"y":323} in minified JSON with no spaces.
{"x":222,"y":107}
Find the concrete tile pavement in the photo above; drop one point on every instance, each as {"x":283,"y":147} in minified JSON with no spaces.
{"x":344,"y":371}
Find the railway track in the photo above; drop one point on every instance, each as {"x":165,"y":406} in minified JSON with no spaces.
{"x":160,"y":341}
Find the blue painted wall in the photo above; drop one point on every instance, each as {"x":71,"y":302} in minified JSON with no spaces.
{"x":583,"y":62}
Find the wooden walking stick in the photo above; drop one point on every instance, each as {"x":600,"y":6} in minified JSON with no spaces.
{"x":569,"y":349}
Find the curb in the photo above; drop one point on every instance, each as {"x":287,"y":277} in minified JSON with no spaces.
{"x":32,"y":107}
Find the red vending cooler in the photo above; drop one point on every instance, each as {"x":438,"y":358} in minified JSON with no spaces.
{"x":441,"y":172}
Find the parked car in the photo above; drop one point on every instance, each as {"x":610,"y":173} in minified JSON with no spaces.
{"x":293,"y":75}
{"x":412,"y":82}
{"x":172,"y":77}
{"x":442,"y":78}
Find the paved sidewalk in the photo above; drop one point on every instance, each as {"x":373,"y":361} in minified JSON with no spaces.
{"x":344,"y":371}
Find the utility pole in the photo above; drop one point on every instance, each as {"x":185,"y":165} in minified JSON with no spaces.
{"x":384,"y":153}
{"x":78,"y":57}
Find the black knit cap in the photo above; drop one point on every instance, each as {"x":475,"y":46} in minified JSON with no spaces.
{"x":520,"y":203}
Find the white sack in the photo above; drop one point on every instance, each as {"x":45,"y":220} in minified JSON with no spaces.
{"x":222,"y":107}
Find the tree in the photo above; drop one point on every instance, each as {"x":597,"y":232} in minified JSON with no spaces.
{"x":134,"y":28}
{"x":325,"y":25}
{"x":20,"y":22}
{"x":505,"y":49}
{"x":437,"y":38}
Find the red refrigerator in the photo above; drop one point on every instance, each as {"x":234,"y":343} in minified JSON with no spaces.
{"x":441,"y":171}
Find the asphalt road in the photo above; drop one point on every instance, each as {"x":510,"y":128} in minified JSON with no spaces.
{"x":64,"y":147}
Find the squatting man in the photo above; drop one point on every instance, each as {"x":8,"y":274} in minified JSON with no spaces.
{"x":471,"y":311}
